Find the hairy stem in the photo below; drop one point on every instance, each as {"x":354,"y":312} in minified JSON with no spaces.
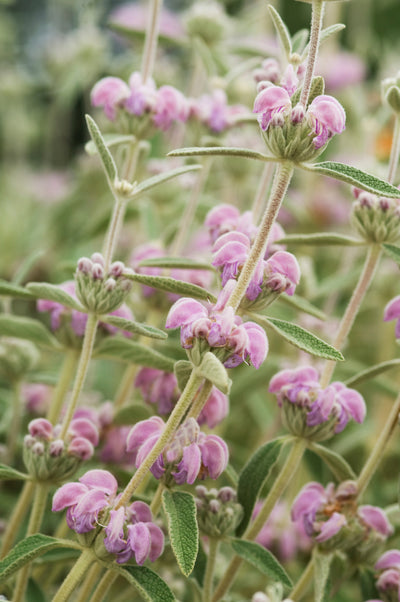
{"x":209,"y":574}
{"x":114,"y":229}
{"x":395,"y":151}
{"x":91,"y":580}
{"x":15,"y":426}
{"x":304,"y":582}
{"x":200,"y":400}
{"x":103,"y":586}
{"x":62,"y":386}
{"x":316,"y":26}
{"x":125,"y":387}
{"x":17,"y":517}
{"x":259,"y":201}
{"x":150,"y":46}
{"x":157,"y":499}
{"x":75,"y":575}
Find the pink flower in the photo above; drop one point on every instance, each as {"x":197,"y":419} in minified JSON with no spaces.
{"x":110,"y":93}
{"x":158,"y":387}
{"x":142,"y":97}
{"x":215,"y":409}
{"x":213,"y":110}
{"x":37,"y":397}
{"x":170,"y":106}
{"x":282,"y":272}
{"x":327,"y":118}
{"x":269,"y":102}
{"x":392,"y":312}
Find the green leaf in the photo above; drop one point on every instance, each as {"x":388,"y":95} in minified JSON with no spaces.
{"x":281,"y":30}
{"x":317,"y":88}
{"x":325,"y":34}
{"x":27,"y":328}
{"x":182,"y":370}
{"x":213,"y":370}
{"x":299,"y":40}
{"x":147,"y":583}
{"x":134,"y":327}
{"x":323,"y":239}
{"x":105,"y":156}
{"x":9,"y":474}
{"x":109,"y":140}
{"x":262,"y":559}
{"x":393,"y":251}
{"x":181,"y":513}
{"x":335,"y":462}
{"x":170,"y":285}
{"x":199,"y":570}
{"x":8,"y":289}
{"x":252,"y":478}
{"x":322,"y":565}
{"x":161,"y":178}
{"x":221,"y":150}
{"x":51,"y":292}
{"x":33,"y":592}
{"x":124,"y":350}
{"x":26,"y":265}
{"x":138,"y":34}
{"x":303,"y":305}
{"x":355,"y":177}
{"x":27,"y":550}
{"x":369,"y":590}
{"x":176,"y":262}
{"x":372,"y":372}
{"x":131,"y":414}
{"x":301,"y":338}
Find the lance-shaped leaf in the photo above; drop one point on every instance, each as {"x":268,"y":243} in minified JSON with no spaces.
{"x":176,"y":262}
{"x":325,"y":34}
{"x":355,"y":177}
{"x":281,"y":30}
{"x":393,"y":251}
{"x":26,"y":265}
{"x":339,"y":467}
{"x":131,"y":414}
{"x":372,"y":372}
{"x":170,"y":285}
{"x":161,"y":178}
{"x":252,"y":478}
{"x":262,"y":560}
{"x":9,"y":474}
{"x":213,"y":370}
{"x":299,"y":40}
{"x":322,"y":566}
{"x":29,"y":329}
{"x":322,"y":239}
{"x":51,"y":292}
{"x":34,"y":592}
{"x":105,"y":156}
{"x":303,"y":305}
{"x":109,"y":140}
{"x":129,"y":351}
{"x":369,"y":591}
{"x":301,"y":338}
{"x":8,"y":289}
{"x":147,"y":583}
{"x":134,"y":327}
{"x":202,"y":151}
{"x":27,"y":550}
{"x":317,"y":88}
{"x":199,"y":570}
{"x":182,"y":370}
{"x":181,"y":513}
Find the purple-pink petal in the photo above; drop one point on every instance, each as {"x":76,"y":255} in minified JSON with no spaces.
{"x":331,"y":527}
{"x":101,"y":480}
{"x":392,"y":310}
{"x":139,"y":540}
{"x":389,"y":560}
{"x":258,"y":343}
{"x":68,"y":495}
{"x":189,"y":466}
{"x":310,"y":498}
{"x":157,"y":541}
{"x":142,"y":431}
{"x":184,"y":311}
{"x":376,"y":519}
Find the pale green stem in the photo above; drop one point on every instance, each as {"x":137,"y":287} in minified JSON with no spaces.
{"x":366,"y":276}
{"x":209,"y":574}
{"x":150,"y":47}
{"x":157,"y":500}
{"x":316,"y":26}
{"x":75,"y":575}
{"x":260,"y":198}
{"x":304,"y":582}
{"x":35,"y":521}
{"x":283,"y":479}
{"x":200,"y":400}
{"x":125,"y":387}
{"x":379,"y":448}
{"x":62,"y":386}
{"x":172,"y":424}
{"x":131,"y":161}
{"x":17,"y":517}
{"x":114,"y":229}
{"x":190,"y":210}
{"x":15,"y":426}
{"x":104,"y":585}
{"x":281,"y":182}
{"x":84,"y":360}
{"x":92,"y":579}
{"x":395,"y":151}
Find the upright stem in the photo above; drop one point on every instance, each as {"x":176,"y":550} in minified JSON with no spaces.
{"x":125,"y":386}
{"x":371,"y":262}
{"x":209,"y":574}
{"x":17,"y":517}
{"x":103,"y":586}
{"x":114,"y":228}
{"x":157,"y":499}
{"x":150,"y":47}
{"x":287,"y":472}
{"x":62,"y":386}
{"x":200,"y":400}
{"x":281,"y":182}
{"x":316,"y":26}
{"x":92,"y":578}
{"x":172,"y":424}
{"x":86,"y":353}
{"x":15,"y":426}
{"x":395,"y":151}
{"x":75,"y":575}
{"x":259,"y":201}
{"x":377,"y":452}
{"x":305,"y":579}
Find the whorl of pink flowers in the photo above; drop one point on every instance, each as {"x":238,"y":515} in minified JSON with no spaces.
{"x":82,"y":437}
{"x":213,"y":111}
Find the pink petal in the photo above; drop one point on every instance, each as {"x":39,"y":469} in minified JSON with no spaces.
{"x":100,"y":479}
{"x":331,"y":527}
{"x":68,"y":495}
{"x":184,"y":311}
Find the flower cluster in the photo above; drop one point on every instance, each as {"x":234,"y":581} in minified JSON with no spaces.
{"x":388,"y":583}
{"x":213,"y":111}
{"x":334,"y":520}
{"x":376,"y":219}
{"x":129,"y":532}
{"x":190,"y":455}
{"x":218,"y":511}
{"x":46,"y":456}
{"x":270,"y":72}
{"x":17,"y":357}
{"x":311,"y":411}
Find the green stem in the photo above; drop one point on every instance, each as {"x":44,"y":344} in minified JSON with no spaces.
{"x":92,"y":579}
{"x":304,"y":582}
{"x":17,"y":517}
{"x":316,"y":26}
{"x":366,"y":276}
{"x":131,"y":161}
{"x":125,"y":387}
{"x":286,"y":474}
{"x":281,"y":182}
{"x":395,"y":151}
{"x":75,"y":575}
{"x":114,"y":228}
{"x":15,"y":426}
{"x":172,"y":424}
{"x":156,"y":501}
{"x":378,"y":450}
{"x":84,"y":360}
{"x":259,"y":201}
{"x":104,"y":585}
{"x":62,"y":386}
{"x":150,"y":47}
{"x":209,"y":574}
{"x":200,"y":400}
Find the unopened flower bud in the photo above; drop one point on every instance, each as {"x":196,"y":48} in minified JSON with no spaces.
{"x":392,"y":97}
{"x":38,"y":448}
{"x":41,"y":428}
{"x":56,"y":447}
{"x":298,"y":113}
{"x":110,"y":284}
{"x":85,"y":265}
{"x":97,"y":271}
{"x":376,"y":219}
{"x":98,"y":258}
{"x":17,"y":357}
{"x":116,"y":269}
{"x":218,"y":513}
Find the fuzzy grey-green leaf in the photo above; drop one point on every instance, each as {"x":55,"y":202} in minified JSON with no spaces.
{"x":131,"y":414}
{"x":180,"y":510}
{"x":303,"y":305}
{"x":372,"y":372}
{"x":134,"y":327}
{"x":170,"y":285}
{"x":221,"y":150}
{"x":52,"y":292}
{"x":105,"y":156}
{"x":281,"y":30}
{"x":176,"y":262}
{"x":147,"y":583}
{"x":28,"y":329}
{"x":262,"y":559}
{"x":325,"y":33}
{"x":161,"y":178}
{"x":182,"y":370}
{"x":393,"y":251}
{"x":129,"y":351}
{"x":335,"y":462}
{"x":213,"y":370}
{"x":322,"y":565}
{"x":8,"y":289}
{"x":322,"y":239}
{"x":109,"y":140}
{"x":9,"y":474}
